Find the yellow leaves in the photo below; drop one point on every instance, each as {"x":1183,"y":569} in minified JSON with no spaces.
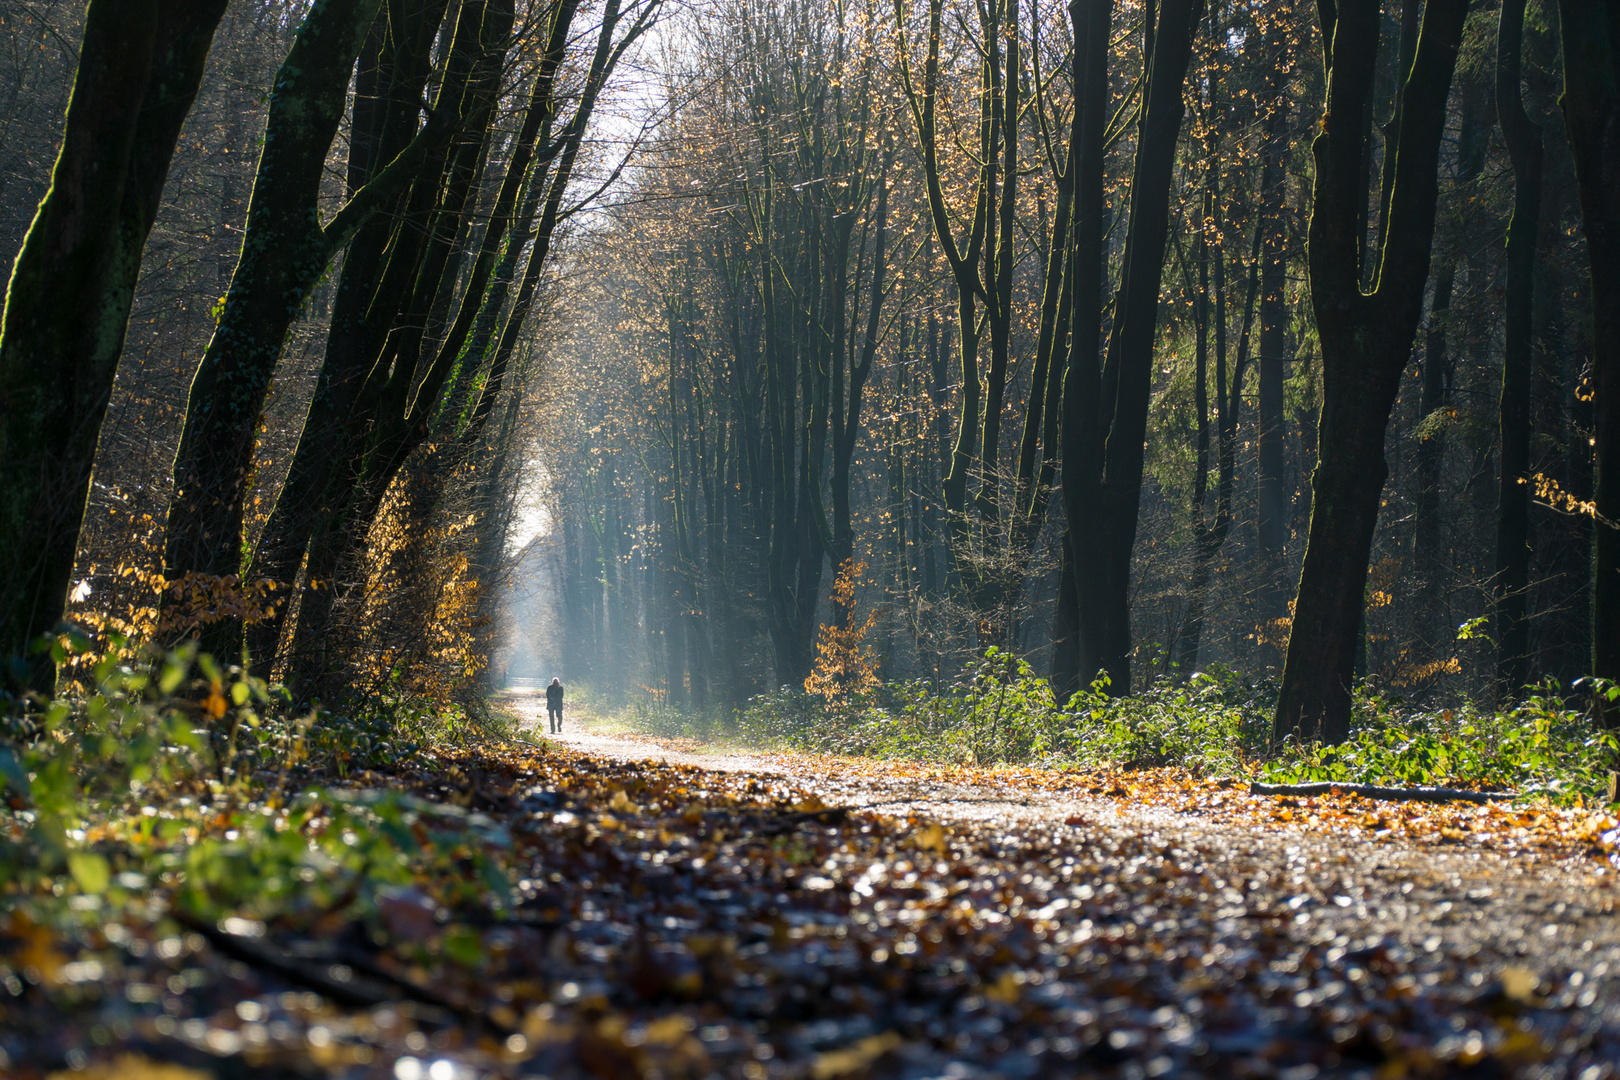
{"x":853,"y":1058}
{"x":1518,"y":984}
{"x":197,"y":599}
{"x":131,"y":1067}
{"x":1006,"y":990}
{"x":1227,"y":801}
{"x":930,"y":837}
{"x":845,"y":664}
{"x":1549,"y":493}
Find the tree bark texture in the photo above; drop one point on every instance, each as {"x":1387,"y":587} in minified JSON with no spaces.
{"x":398,"y":407}
{"x":1366,"y":340}
{"x":1108,"y":469}
{"x":68,"y":301}
{"x":1092,"y":22}
{"x":397,"y":71}
{"x":285,"y":250}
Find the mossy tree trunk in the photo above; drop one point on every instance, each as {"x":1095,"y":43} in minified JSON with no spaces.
{"x":1366,"y":338}
{"x":402,"y":402}
{"x":395,"y":68}
{"x":285,"y":250}
{"x":68,"y":302}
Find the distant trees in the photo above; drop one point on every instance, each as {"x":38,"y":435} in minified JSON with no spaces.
{"x":1198,"y":424}
{"x":1005,"y":302}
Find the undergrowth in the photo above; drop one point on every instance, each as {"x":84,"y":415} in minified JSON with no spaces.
{"x":1217,"y":722}
{"x":169,"y":768}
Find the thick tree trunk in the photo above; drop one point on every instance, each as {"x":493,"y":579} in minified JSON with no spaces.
{"x":1103,"y":532}
{"x":1590,"y":32}
{"x":1523,"y":139}
{"x":1366,"y":339}
{"x":398,"y":409}
{"x":1080,"y":438}
{"x":284,"y":252}
{"x":360,"y":314}
{"x":68,"y":301}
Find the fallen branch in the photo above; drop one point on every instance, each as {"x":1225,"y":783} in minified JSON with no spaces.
{"x":1373,"y":791}
{"x":341,"y":987}
{"x":346,"y":977}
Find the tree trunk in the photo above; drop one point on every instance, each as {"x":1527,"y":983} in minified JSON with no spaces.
{"x":1109,"y":471}
{"x":1590,"y":33}
{"x":1092,"y":21}
{"x":1366,"y":339}
{"x":67,"y":305}
{"x":285,"y":250}
{"x":1434,"y":630}
{"x":1523,"y":140}
{"x":360,"y":315}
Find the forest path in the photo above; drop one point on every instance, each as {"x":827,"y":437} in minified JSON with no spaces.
{"x":1015,"y":923}
{"x":1484,"y":906}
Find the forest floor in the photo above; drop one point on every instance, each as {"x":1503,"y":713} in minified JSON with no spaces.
{"x":1161,"y":924}
{"x":691,"y":911}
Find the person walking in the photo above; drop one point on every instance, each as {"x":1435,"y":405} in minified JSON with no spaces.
{"x":554,"y":696}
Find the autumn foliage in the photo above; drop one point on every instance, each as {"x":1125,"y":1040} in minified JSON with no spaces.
{"x":846,"y":665}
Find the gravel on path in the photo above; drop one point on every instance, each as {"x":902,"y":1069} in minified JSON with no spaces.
{"x":1467,"y":925}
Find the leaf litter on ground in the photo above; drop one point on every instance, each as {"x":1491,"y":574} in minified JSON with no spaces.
{"x":541,"y":912}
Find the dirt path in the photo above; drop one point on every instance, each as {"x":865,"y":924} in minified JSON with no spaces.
{"x":1549,"y":915}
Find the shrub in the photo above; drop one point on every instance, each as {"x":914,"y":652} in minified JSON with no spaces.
{"x":1540,"y":746}
{"x":1215,"y":722}
{"x":141,"y":727}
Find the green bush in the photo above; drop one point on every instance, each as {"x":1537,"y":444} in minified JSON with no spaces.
{"x":999,"y":711}
{"x":660,"y":718}
{"x":1540,"y":746}
{"x":174,"y":730}
{"x":1216,"y":722}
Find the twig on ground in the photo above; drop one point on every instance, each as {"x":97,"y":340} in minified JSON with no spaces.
{"x":363,"y":981}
